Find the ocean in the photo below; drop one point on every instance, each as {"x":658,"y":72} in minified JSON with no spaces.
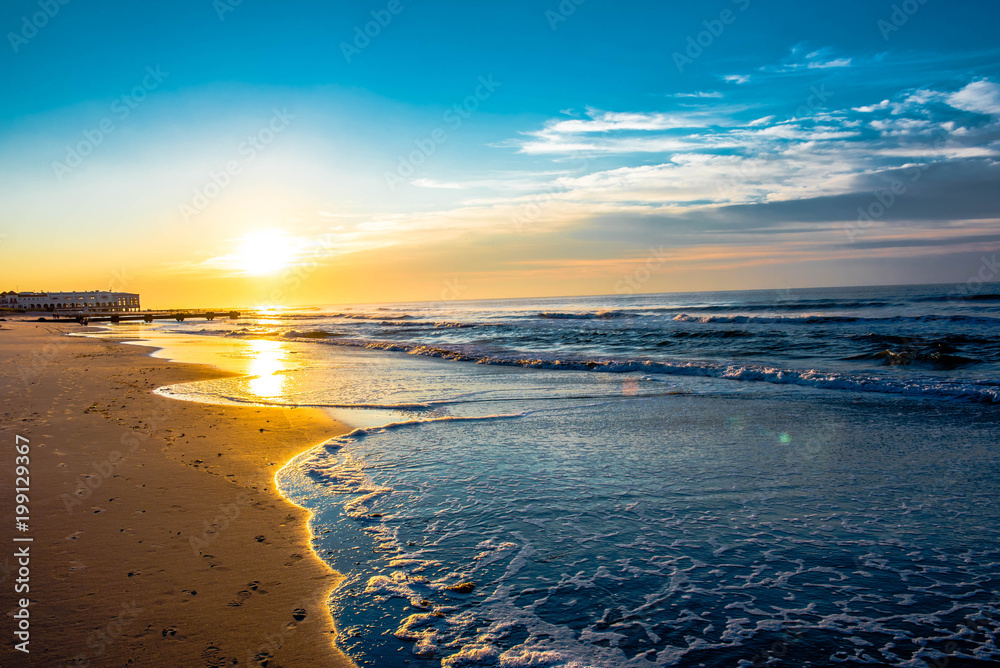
{"x":797,"y":477}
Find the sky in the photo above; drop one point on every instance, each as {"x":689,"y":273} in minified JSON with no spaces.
{"x":252,"y":152}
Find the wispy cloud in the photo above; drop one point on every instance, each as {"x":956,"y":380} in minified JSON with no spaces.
{"x":824,"y":64}
{"x":819,"y":59}
{"x":797,"y":62}
{"x":736,"y":78}
{"x":444,"y":185}
{"x":502,"y":181}
{"x":604,"y":121}
{"x":625,"y":132}
{"x":699,"y":94}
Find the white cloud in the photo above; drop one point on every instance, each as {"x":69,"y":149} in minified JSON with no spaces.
{"x":606,"y":132}
{"x":689,"y":181}
{"x":700,"y":94}
{"x":607,"y":121}
{"x":431,"y":183}
{"x":836,"y":62}
{"x":884,"y":104}
{"x":818,"y":133}
{"x":981,"y":97}
{"x":910,"y":102}
{"x":915,"y":101}
{"x":945,"y":153}
{"x":902,"y":126}
{"x":736,"y":78}
{"x":625,"y":145}
{"x":507,"y":181}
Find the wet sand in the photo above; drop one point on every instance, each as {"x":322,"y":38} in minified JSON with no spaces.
{"x":159,"y":538}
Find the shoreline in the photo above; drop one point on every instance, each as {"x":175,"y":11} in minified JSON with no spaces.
{"x":159,"y":534}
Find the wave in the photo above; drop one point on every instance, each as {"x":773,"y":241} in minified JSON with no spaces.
{"x":949,"y":341}
{"x":976,"y":391}
{"x":934,"y":359}
{"x":937,"y":353}
{"x":801,"y":305}
{"x":958,"y":296}
{"x":183,"y":393}
{"x":798,"y":305}
{"x":313,"y":334}
{"x":357,"y":434}
{"x":719,"y":334}
{"x":597,"y":315}
{"x":748,"y":319}
{"x":829,"y":319}
{"x":459,"y":325}
{"x":365,"y":316}
{"x":991,"y":297}
{"x":246,"y":332}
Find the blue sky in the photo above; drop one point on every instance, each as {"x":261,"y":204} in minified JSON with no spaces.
{"x":758,"y":144}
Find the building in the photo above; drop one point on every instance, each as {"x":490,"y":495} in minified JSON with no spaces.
{"x":71,"y":302}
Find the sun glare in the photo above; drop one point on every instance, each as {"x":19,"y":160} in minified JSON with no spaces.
{"x":264,"y":252}
{"x":267,"y":367}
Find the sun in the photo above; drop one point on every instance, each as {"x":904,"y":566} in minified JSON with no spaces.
{"x":264,"y":252}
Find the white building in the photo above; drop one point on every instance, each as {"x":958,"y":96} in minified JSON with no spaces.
{"x":71,"y":302}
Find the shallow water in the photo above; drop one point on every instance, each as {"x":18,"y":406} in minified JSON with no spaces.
{"x":668,"y":530}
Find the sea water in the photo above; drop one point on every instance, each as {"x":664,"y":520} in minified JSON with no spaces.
{"x":759,"y":478}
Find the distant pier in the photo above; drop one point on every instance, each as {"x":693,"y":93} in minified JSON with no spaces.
{"x":150,"y":316}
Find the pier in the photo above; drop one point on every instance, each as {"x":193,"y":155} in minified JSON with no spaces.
{"x":150,"y":316}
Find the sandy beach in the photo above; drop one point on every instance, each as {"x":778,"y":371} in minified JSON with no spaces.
{"x":159,"y":538}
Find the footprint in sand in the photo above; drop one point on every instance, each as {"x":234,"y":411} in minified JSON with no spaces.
{"x":213,"y":658}
{"x":241,"y":597}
